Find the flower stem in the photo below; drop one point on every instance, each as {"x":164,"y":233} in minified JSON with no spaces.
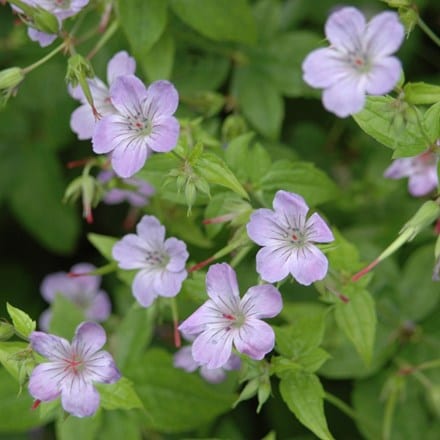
{"x":390,"y":407}
{"x":44,"y":59}
{"x":175,"y":315}
{"x":103,"y":40}
{"x":427,"y":30}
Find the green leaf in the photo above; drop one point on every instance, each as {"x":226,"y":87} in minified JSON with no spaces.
{"x":259,"y":100}
{"x":304,"y":395}
{"x":119,"y":395}
{"x":143,"y":22}
{"x":117,"y":425}
{"x":214,"y":170}
{"x":394,"y":124}
{"x":22,"y":321}
{"x":66,"y":316}
{"x":15,"y":408}
{"x":421,"y":93}
{"x":16,"y":358}
{"x":39,"y":178}
{"x":176,"y":400}
{"x":220,"y":20}
{"x":299,"y":177}
{"x":357,"y":318}
{"x":133,"y":334}
{"x":431,"y":120}
{"x":103,"y":244}
{"x":158,"y":62}
{"x":74,"y":428}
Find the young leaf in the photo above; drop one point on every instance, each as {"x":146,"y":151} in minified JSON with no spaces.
{"x":13,"y":356}
{"x":23,"y":323}
{"x":357,"y":318}
{"x":304,"y":395}
{"x":119,"y":395}
{"x":103,"y":244}
{"x":158,"y":62}
{"x":74,"y":428}
{"x":66,"y":316}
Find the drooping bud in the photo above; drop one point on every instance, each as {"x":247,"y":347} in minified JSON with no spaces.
{"x":421,"y":93}
{"x":37,"y":17}
{"x":10,"y":79}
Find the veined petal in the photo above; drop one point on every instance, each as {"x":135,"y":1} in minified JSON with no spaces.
{"x":109,"y":133}
{"x":167,"y":283}
{"x":143,"y":287}
{"x":399,"y":168}
{"x":50,"y":346}
{"x":162,"y":99}
{"x":101,"y":367}
{"x":79,"y":398}
{"x":384,"y":34}
{"x":221,"y":284}
{"x":272,"y":263}
{"x":89,"y":338}
{"x":129,"y":156}
{"x":308,"y":265}
{"x":319,"y":232}
{"x":82,"y":122}
{"x":213,"y":347}
{"x":176,"y":249}
{"x":41,"y":37}
{"x":151,"y":232}
{"x":264,"y":229}
{"x":43,"y":383}
{"x":346,"y":97}
{"x":324,"y":67}
{"x":127,"y":94}
{"x":183,"y":359}
{"x":164,"y":134}
{"x":421,"y":184}
{"x":290,"y":208}
{"x":262,"y":301}
{"x":345,"y":28}
{"x":130,"y":252}
{"x":383,"y":76}
{"x":120,"y":64}
{"x":198,"y":321}
{"x":255,"y":338}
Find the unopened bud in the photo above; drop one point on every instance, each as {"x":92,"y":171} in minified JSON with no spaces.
{"x":45,"y":21}
{"x":6,"y":331}
{"x":398,"y":3}
{"x":409,"y":18}
{"x":421,"y":93}
{"x":264,"y":391}
{"x":11,"y":78}
{"x":249,"y":391}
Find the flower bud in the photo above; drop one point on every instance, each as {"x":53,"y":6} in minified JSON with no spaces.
{"x":421,"y":93}
{"x":409,"y":18}
{"x":11,"y":78}
{"x":6,"y":331}
{"x":45,"y":21}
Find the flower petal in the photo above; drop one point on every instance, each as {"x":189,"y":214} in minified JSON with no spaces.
{"x":255,"y":338}
{"x":183,"y":359}
{"x":151,"y":232}
{"x":102,"y":368}
{"x":422,"y":184}
{"x":319,"y":231}
{"x":346,"y":97}
{"x":399,"y":168}
{"x":213,"y":347}
{"x":221,"y":283}
{"x":213,"y":375}
{"x":100,"y":308}
{"x":127,"y":94}
{"x":82,"y":122}
{"x":50,"y":346}
{"x":130,"y":252}
{"x":383,"y":76}
{"x":129,"y":156}
{"x":291,"y":209}
{"x":162,"y":99}
{"x":384,"y":34}
{"x":164,"y":134}
{"x":54,"y":283}
{"x":264,"y":229}
{"x":89,"y":338}
{"x":143,"y":287}
{"x":308,"y":265}
{"x":176,"y":249}
{"x":168,"y":284}
{"x":86,"y":283}
{"x":108,"y":134}
{"x":79,"y":398}
{"x":120,"y":64}
{"x":44,"y":320}
{"x":345,"y":28}
{"x":44,"y":382}
{"x":198,"y":320}
{"x":41,"y":37}
{"x":272,"y":263}
{"x":262,"y":301}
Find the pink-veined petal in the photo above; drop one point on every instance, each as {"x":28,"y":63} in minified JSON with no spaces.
{"x":88,"y":283}
{"x":151,"y":232}
{"x":383,"y":76}
{"x":79,"y":398}
{"x":212,"y":375}
{"x":127,"y":94}
{"x":319,"y":231}
{"x":221,"y":283}
{"x":197,"y":322}
{"x":44,"y":382}
{"x":422,"y":184}
{"x":41,"y":37}
{"x":50,"y":346}
{"x":167,"y":283}
{"x":164,"y":134}
{"x":143,"y":287}
{"x":101,"y":368}
{"x":213,"y":347}
{"x":57,"y":282}
{"x":263,"y":228}
{"x":82,"y":122}
{"x":162,"y":98}
{"x":178,"y":253}
{"x":130,"y":252}
{"x":291,"y":209}
{"x":129,"y":157}
{"x":255,"y":338}
{"x":308,"y":265}
{"x":272,"y":263}
{"x":109,"y":133}
{"x":120,"y":64}
{"x":262,"y":301}
{"x":89,"y":337}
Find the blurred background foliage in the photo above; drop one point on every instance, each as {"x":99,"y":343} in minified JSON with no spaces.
{"x":231,"y":67}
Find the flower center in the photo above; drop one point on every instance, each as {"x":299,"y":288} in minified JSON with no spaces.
{"x":64,"y":4}
{"x":75,"y":364}
{"x":296,"y":236}
{"x":359,"y":62}
{"x":235,"y":321}
{"x":157,"y":258}
{"x":139,"y":123}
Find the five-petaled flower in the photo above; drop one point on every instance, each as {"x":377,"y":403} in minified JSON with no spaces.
{"x":225,"y":320}
{"x":421,"y":171}
{"x":358,"y":61}
{"x":83,"y":119}
{"x":288,"y":238}
{"x":161,"y":262}
{"x":72,"y":369}
{"x":84,"y":291}
{"x":143,"y":123}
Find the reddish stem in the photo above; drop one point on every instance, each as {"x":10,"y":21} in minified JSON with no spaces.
{"x":77,"y":163}
{"x":177,"y":340}
{"x":35,"y":405}
{"x":365,"y":270}
{"x":201,"y":264}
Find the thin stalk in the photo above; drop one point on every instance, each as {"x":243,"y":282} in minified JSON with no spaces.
{"x":427,"y":30}
{"x":388,"y":416}
{"x":103,"y":40}
{"x":47,"y":57}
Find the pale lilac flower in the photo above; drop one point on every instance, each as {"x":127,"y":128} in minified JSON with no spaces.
{"x":288,"y":238}
{"x":421,"y":171}
{"x":136,"y":193}
{"x":72,"y":369}
{"x":183,"y":359}
{"x":144,"y":123}
{"x":83,"y":119}
{"x":225,"y":320}
{"x":61,"y":9}
{"x":358,"y":61}
{"x":161,"y":262}
{"x":83,"y":291}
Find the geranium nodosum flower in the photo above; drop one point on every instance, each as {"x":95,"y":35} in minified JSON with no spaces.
{"x":421,"y":171}
{"x":161,"y":262}
{"x":84,"y":291}
{"x":72,"y":369}
{"x":225,"y":320}
{"x":83,"y":119}
{"x":143,"y":123}
{"x":358,"y":61}
{"x":288,"y":238}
